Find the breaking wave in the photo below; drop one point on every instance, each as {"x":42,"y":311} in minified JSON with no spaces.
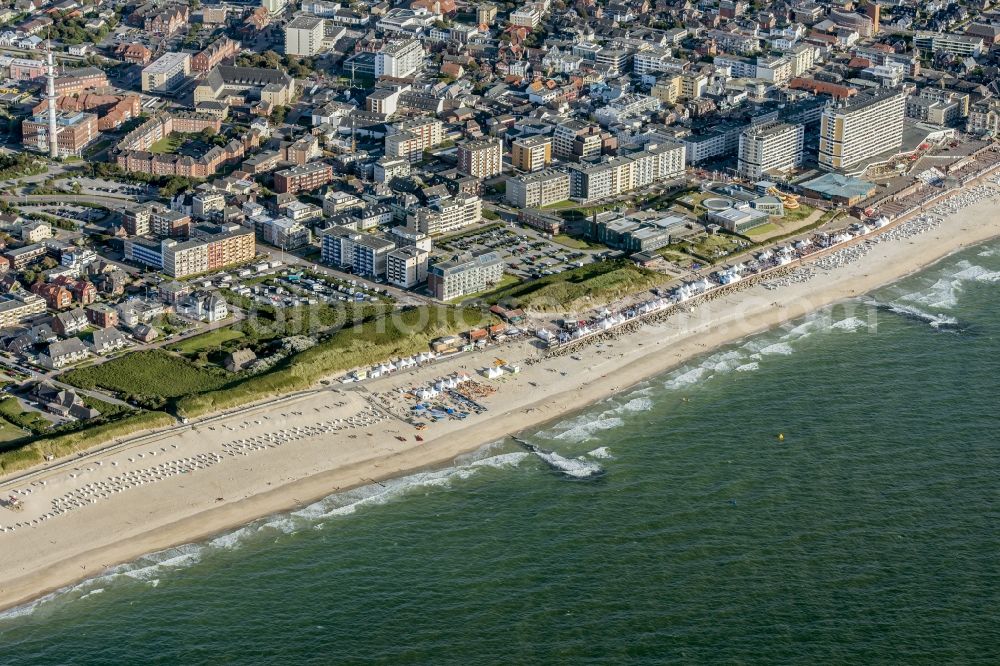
{"x":939,"y":321}
{"x":584,"y":428}
{"x":578,"y":468}
{"x":945,"y":291}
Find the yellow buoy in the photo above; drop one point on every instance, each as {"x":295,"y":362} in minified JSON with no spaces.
{"x":781,"y":436}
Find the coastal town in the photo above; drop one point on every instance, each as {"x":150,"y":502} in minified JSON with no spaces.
{"x":231,"y":232}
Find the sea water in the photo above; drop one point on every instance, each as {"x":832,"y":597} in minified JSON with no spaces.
{"x":869,"y":533}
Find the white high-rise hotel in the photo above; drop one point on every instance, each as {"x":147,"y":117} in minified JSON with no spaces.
{"x":304,"y":35}
{"x":861,"y":129}
{"x":399,"y":59}
{"x":770,"y":147}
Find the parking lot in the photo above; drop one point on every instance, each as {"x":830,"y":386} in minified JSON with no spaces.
{"x":100,"y":186}
{"x":68,"y":212}
{"x":291,"y":289}
{"x":526,"y":254}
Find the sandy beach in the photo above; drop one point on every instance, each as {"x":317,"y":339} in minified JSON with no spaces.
{"x":92,"y":512}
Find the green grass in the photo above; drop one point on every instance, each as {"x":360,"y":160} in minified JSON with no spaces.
{"x":401,"y":333}
{"x":560,"y":205}
{"x":10,"y":432}
{"x":168,"y":144}
{"x":588,"y":286}
{"x":206,"y":341}
{"x":572,"y":242}
{"x":147,"y":374}
{"x":81,"y":440}
{"x":798,"y":214}
{"x":11,"y":411}
{"x":763,"y":230}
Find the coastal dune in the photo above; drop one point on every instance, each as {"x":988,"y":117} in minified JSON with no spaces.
{"x":211,"y":476}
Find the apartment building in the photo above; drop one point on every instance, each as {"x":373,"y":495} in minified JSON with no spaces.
{"x":16,"y":307}
{"x":770,"y":147}
{"x":946,"y":42}
{"x":528,"y":16}
{"x":406,"y":267}
{"x":169,"y":223}
{"x":409,"y":139}
{"x":667,"y":88}
{"x":304,"y":35}
{"x":657,"y":59}
{"x":387,"y":169}
{"x":337,"y":245}
{"x":576,"y":140}
{"x":538,"y":189}
{"x":482,"y":159}
{"x":282,"y":232}
{"x":984,"y":118}
{"x":938,"y":107}
{"x":463,"y":275}
{"x":336,"y":201}
{"x":486,"y":14}
{"x":210,"y":250}
{"x":693,"y":85}
{"x":371,"y":254}
{"x":617,"y":175}
{"x":449,"y":215}
{"x":532,"y":153}
{"x":399,"y":59}
{"x":302,"y":178}
{"x":208,"y":203}
{"x":802,"y":57}
{"x":144,"y":250}
{"x":860,"y":129}
{"x":166,"y":72}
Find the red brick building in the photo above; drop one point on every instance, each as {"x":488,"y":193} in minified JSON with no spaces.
{"x":302,"y":178}
{"x":83,"y":291}
{"x":56,"y":296}
{"x":216,"y":52}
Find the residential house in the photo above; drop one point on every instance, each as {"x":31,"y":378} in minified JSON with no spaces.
{"x":68,"y":324}
{"x":57,"y":297}
{"x":64,"y":402}
{"x":107,"y":340}
{"x":64,"y":352}
{"x":102,"y":315}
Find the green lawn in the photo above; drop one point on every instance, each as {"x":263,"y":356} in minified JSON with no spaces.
{"x":10,"y":432}
{"x":572,"y":242}
{"x":560,"y":205}
{"x":168,"y":144}
{"x":11,"y":411}
{"x":148,"y":374}
{"x":763,"y":230}
{"x":800,"y":213}
{"x":210,"y":340}
{"x":588,"y":286}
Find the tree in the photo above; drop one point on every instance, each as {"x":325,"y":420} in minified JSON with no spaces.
{"x":278,"y":114}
